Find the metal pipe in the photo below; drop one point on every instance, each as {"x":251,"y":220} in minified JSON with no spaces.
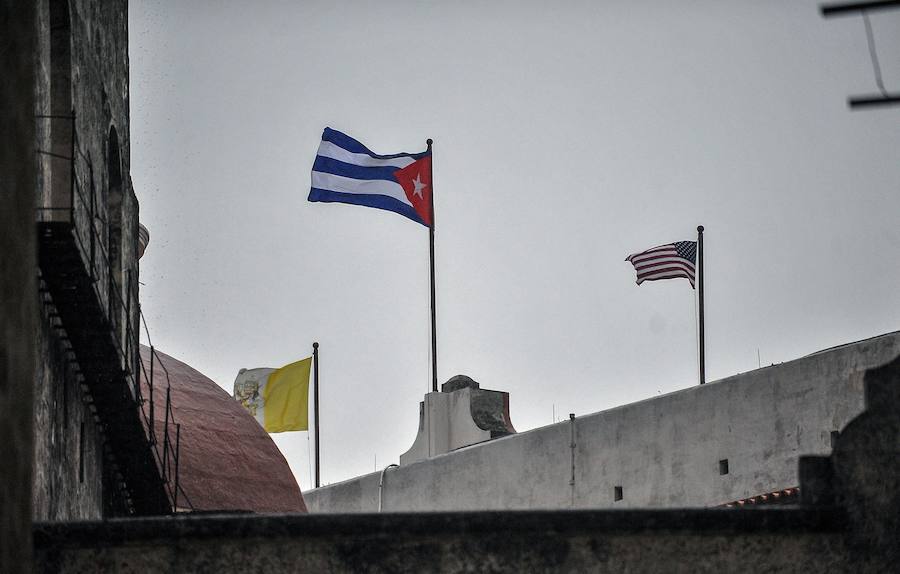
{"x":166,"y":434}
{"x":177,"y":453}
{"x":572,"y":449}
{"x":152,"y":420}
{"x":316,"y":405}
{"x":381,"y":486}
{"x":434,"y":383}
{"x":873,"y":101}
{"x":845,"y":8}
{"x":701,"y":279}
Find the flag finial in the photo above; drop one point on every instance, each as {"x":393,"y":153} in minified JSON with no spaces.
{"x":700,"y":228}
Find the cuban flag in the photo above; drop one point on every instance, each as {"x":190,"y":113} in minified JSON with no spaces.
{"x":346,"y":171}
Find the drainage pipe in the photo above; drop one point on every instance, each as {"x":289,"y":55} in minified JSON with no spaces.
{"x":381,"y":486}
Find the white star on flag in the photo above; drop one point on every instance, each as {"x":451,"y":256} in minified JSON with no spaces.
{"x":419,"y":186}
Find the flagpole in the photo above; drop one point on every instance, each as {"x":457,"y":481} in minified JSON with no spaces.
{"x":316,"y":403}
{"x":434,"y":385}
{"x":702,"y":338}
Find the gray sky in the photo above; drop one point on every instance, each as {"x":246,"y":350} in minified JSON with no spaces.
{"x":566,"y":137}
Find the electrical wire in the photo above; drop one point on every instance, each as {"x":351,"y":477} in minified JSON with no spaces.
{"x":873,"y":54}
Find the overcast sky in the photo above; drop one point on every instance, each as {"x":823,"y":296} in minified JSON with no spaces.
{"x":565,"y":139}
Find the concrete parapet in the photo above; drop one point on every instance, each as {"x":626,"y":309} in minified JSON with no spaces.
{"x":707,"y":445}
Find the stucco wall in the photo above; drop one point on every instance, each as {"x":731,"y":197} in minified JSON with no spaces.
{"x":663,"y":452}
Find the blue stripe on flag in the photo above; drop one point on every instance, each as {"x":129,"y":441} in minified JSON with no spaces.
{"x":343,"y":140}
{"x":377,"y":201}
{"x":335,"y":167}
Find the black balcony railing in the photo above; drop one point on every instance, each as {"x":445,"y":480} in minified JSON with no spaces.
{"x":166,"y":448}
{"x":101,"y":321}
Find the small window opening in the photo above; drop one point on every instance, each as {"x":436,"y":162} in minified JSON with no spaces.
{"x":81,"y":454}
{"x":723,"y":466}
{"x":835,"y":435}
{"x":617,"y":493}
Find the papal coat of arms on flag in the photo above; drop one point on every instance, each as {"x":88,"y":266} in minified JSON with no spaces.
{"x":277,"y":398}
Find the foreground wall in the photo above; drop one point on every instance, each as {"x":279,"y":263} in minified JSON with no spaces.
{"x":663,"y":452}
{"x":17,"y":281}
{"x":560,"y":541}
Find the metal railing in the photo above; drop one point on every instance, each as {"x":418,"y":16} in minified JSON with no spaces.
{"x":82,"y":214}
{"x":168,"y":450}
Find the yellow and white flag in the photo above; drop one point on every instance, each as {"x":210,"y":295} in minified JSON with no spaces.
{"x":277,"y":398}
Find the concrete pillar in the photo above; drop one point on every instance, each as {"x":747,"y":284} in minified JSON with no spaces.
{"x":462,"y":414}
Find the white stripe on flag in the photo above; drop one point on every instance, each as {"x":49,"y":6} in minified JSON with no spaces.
{"x":331,"y":182}
{"x":640,"y":264}
{"x":328,"y":149}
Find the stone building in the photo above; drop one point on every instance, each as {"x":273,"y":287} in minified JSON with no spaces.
{"x":92,"y":458}
{"x":115,"y":425}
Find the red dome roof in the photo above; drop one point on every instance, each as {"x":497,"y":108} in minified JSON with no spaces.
{"x":227,"y":461}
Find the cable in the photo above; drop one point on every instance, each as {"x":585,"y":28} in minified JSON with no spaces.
{"x":870,"y":37}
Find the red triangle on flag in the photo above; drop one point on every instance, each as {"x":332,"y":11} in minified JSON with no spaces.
{"x":415,"y":179}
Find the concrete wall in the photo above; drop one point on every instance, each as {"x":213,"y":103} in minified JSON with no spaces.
{"x":17,"y":281}
{"x":662,"y":452}
{"x":81,"y":64}
{"x":497,"y":542}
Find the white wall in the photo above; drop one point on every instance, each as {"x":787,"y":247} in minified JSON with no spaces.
{"x":663,"y":451}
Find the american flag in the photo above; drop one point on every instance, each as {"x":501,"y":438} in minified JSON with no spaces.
{"x":666,"y":262}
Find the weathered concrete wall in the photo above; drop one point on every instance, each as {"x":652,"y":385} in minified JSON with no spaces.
{"x":662,"y":452}
{"x":757,"y":540}
{"x":17,"y":281}
{"x":81,"y":65}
